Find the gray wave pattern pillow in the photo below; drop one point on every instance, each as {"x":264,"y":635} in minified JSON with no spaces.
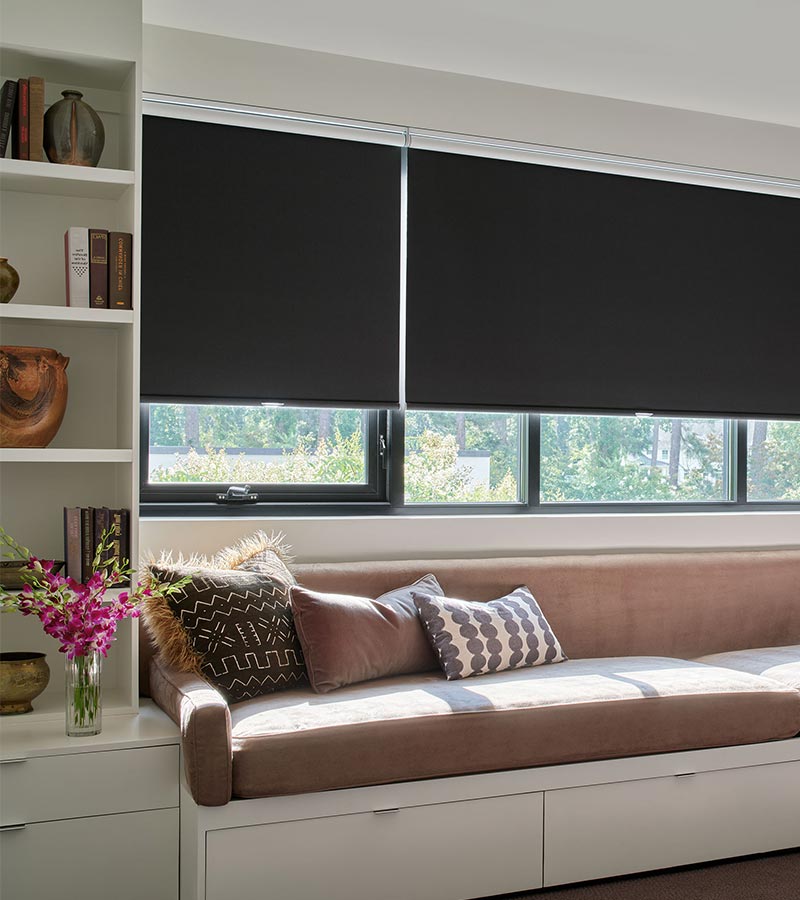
{"x":476,"y":638}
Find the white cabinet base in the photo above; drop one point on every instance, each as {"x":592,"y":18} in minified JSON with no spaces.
{"x":125,"y":857}
{"x":450,"y":851}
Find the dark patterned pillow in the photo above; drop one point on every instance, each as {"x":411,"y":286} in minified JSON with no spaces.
{"x":476,"y":638}
{"x":233,"y":628}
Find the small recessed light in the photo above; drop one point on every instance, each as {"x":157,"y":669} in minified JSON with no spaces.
{"x":643,"y":415}
{"x":271,"y":403}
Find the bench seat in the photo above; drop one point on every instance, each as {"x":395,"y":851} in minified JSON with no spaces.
{"x":422,"y":726}
{"x":778,"y":663}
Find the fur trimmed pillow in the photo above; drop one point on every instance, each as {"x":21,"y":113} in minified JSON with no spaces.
{"x":232,"y":624}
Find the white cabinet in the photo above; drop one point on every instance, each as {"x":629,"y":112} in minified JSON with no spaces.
{"x":92,"y":818}
{"x":613,"y":829}
{"x":125,"y":857}
{"x":450,"y":851}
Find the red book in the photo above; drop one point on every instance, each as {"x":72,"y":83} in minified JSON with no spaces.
{"x":21,"y":136}
{"x":120,"y":261}
{"x":98,"y":268}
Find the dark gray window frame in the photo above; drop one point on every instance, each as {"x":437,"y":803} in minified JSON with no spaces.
{"x":383,"y":495}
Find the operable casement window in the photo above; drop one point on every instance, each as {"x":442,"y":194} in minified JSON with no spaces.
{"x":293,"y":262}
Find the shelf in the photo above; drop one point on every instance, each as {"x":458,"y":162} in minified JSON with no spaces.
{"x":65,"y":455}
{"x":65,"y":315}
{"x":68,"y":181}
{"x":49,"y":707}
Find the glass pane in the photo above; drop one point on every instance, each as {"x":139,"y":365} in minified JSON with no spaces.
{"x":457,"y":457}
{"x":773,"y":460}
{"x":598,"y":459}
{"x":256,"y":445}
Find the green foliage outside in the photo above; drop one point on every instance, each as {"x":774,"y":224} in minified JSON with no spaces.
{"x":774,"y":461}
{"x":583,"y":458}
{"x":605,"y":458}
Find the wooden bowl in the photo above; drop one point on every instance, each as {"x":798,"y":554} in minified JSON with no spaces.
{"x":33,"y":395}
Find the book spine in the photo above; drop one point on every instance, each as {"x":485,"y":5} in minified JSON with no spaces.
{"x":120,"y":245}
{"x":101,"y":524}
{"x":116,"y":546}
{"x":125,"y":540}
{"x":36,"y":118}
{"x":20,"y":137}
{"x":72,"y":541}
{"x":87,"y":543}
{"x":8,"y":98}
{"x":98,"y":268}
{"x":76,"y":252}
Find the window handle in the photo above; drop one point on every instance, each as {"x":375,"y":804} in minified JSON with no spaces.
{"x":383,"y":452}
{"x":238,"y":493}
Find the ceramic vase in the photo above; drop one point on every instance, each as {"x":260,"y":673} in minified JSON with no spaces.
{"x":9,"y":280}
{"x":73,"y":132}
{"x":33,"y":395}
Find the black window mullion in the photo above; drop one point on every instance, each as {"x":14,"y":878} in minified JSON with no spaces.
{"x":534,"y":458}
{"x":740,"y":462}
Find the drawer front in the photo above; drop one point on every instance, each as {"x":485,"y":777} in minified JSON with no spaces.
{"x":635,"y":826}
{"x":450,"y":851}
{"x":41,"y":789}
{"x":126,"y":857}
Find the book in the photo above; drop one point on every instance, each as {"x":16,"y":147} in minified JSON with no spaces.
{"x":102,"y":522}
{"x":36,"y":118}
{"x":20,"y":135}
{"x":120,"y":247}
{"x":72,"y":542}
{"x":120,"y":522}
{"x":76,"y":254}
{"x":98,"y":268}
{"x":87,"y":542}
{"x":8,"y":98}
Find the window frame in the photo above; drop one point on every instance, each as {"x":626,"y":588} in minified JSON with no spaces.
{"x":383,"y":494}
{"x":177,"y":498}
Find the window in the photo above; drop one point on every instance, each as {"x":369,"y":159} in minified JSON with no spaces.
{"x":632,"y":459}
{"x":773,"y":460}
{"x":462,"y":457}
{"x":196,"y":452}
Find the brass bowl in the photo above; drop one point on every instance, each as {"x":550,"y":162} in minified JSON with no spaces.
{"x":11,"y":569}
{"x":23,"y":676}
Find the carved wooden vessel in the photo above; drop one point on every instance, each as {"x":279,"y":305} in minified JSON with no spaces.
{"x":33,"y":395}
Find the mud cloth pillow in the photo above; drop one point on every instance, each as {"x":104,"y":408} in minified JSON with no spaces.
{"x":349,"y":639}
{"x":234,"y":626}
{"x":476,"y":638}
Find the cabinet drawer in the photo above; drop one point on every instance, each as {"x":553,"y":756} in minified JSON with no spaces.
{"x":635,"y":826}
{"x":450,"y":851}
{"x":41,"y":789}
{"x":126,"y":857}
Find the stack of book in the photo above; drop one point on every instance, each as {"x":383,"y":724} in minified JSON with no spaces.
{"x":83,"y":531}
{"x":22,"y":117}
{"x":98,"y":265}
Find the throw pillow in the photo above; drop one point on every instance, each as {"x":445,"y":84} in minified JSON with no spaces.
{"x":267,"y":554}
{"x":475,"y":638}
{"x":349,"y":639}
{"x":233,"y":628}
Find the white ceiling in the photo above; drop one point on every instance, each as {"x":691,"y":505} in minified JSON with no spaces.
{"x":731,"y":57}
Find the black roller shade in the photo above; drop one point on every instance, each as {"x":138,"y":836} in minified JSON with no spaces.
{"x":534,"y":287}
{"x":270,"y":267}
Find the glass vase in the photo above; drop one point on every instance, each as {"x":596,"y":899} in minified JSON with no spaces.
{"x":84,"y":701}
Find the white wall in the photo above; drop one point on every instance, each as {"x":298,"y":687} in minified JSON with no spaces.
{"x":213,"y":68}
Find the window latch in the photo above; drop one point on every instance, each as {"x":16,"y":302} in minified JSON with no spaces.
{"x":238,"y":493}
{"x":383,"y":452}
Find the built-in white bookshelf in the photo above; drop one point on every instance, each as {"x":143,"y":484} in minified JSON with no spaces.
{"x":92,"y":461}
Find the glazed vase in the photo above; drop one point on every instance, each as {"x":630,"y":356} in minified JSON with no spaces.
{"x":33,"y":395}
{"x":9,"y":280}
{"x":73,"y":132}
{"x":23,"y":676}
{"x":84,"y":701}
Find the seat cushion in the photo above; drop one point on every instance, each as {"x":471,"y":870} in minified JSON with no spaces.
{"x":778,"y":663}
{"x":422,"y":726}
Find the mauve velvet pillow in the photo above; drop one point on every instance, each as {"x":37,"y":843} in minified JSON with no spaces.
{"x":350,"y":639}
